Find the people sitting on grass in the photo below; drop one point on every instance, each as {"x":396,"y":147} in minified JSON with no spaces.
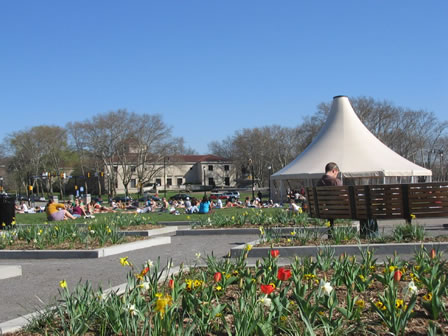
{"x":57,"y":211}
{"x":194,"y":206}
{"x":164,"y":205}
{"x":78,"y":210}
{"x":293,"y":207}
{"x":219,"y":204}
{"x":188,"y":205}
{"x":114,"y":205}
{"x":204,"y":206}
{"x":22,"y":208}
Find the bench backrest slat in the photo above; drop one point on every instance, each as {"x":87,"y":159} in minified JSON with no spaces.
{"x":388,"y":201}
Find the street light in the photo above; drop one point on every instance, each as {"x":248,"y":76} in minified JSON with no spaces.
{"x":252,"y":175}
{"x":164,"y":174}
{"x":269,"y":177}
{"x":205,"y":183}
{"x":441,"y":164}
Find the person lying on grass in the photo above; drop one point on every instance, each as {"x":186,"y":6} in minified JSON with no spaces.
{"x":94,"y":207}
{"x":56,"y":211}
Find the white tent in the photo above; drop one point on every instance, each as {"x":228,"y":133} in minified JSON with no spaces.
{"x":359,"y":154}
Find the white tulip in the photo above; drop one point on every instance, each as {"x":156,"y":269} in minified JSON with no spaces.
{"x":327,"y":288}
{"x":412,"y":288}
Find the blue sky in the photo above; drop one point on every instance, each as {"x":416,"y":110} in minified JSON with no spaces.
{"x":211,"y":67}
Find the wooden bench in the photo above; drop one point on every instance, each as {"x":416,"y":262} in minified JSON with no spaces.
{"x":385,"y":201}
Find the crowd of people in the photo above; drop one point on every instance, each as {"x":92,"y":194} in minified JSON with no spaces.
{"x":78,"y":208}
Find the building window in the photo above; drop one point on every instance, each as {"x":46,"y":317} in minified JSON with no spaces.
{"x":169,"y":182}
{"x":227,"y":181}
{"x":115,"y":168}
{"x":210,"y":168}
{"x":179,"y":181}
{"x":211,"y":181}
{"x":159,"y":182}
{"x":133,"y":168}
{"x":226,"y":167}
{"x":133,"y":183}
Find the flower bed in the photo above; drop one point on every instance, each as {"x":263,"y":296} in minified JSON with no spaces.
{"x":255,"y":218}
{"x":313,"y":296}
{"x":343,"y":236}
{"x":68,"y":235}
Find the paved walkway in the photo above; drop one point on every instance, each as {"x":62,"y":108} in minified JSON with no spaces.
{"x":40,"y":280}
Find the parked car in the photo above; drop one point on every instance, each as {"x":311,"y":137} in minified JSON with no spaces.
{"x":232,"y":195}
{"x":151,"y":197}
{"x":122,"y":199}
{"x":179,"y":197}
{"x":217,"y":195}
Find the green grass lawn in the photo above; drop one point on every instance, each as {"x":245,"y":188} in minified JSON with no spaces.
{"x":41,"y":218}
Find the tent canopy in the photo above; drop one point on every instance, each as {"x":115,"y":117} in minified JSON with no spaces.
{"x":345,"y":140}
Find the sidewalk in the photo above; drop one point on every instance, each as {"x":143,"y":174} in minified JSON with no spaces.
{"x":40,"y":280}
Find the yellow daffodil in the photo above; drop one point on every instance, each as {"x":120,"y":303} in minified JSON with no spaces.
{"x":124,"y":261}
{"x":218,"y":288}
{"x":63,"y":284}
{"x":398,"y":303}
{"x":412,"y":216}
{"x":427,"y":297}
{"x":248,"y":247}
{"x":162,"y":303}
{"x":380,"y":305}
{"x":360,"y":303}
{"x":292,"y":233}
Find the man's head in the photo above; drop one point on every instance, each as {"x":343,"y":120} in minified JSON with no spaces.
{"x":332,"y":169}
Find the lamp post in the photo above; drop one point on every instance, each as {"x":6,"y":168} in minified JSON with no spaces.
{"x":269,"y":177}
{"x":441,"y":165}
{"x":164,"y":175}
{"x":1,"y":184}
{"x":205,"y":183}
{"x":253,"y":180}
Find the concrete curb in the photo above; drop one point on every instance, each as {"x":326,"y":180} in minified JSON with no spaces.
{"x":150,"y":233}
{"x":236,"y":231}
{"x":300,"y":251}
{"x":10,"y":271}
{"x":174,"y":223}
{"x":82,"y":254}
{"x":18,"y":323}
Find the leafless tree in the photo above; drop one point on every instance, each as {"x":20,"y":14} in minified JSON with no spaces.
{"x":415,"y":134}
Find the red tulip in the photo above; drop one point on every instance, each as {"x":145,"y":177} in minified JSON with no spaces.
{"x":144,"y":271}
{"x":267,"y":289}
{"x":283,"y":274}
{"x":275,"y":253}
{"x":397,"y":275}
{"x":217,"y":277}
{"x":171,"y":284}
{"x":433,"y":254}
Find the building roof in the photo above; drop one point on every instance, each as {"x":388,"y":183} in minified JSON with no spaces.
{"x":197,"y":158}
{"x":345,"y":140}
